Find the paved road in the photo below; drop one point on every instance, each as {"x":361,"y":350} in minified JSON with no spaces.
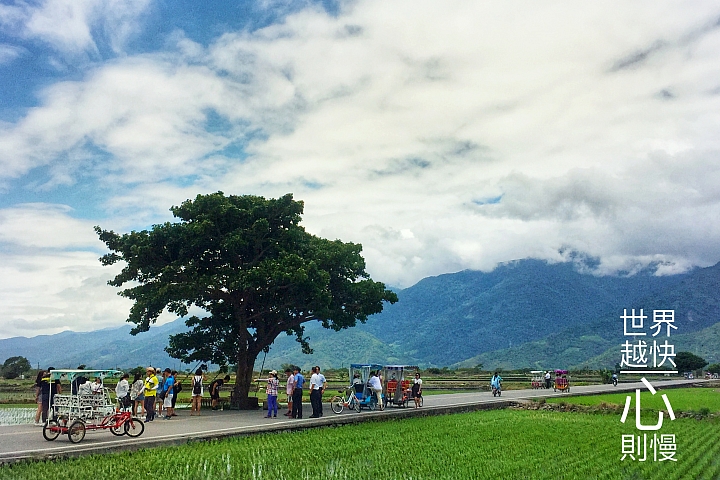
{"x":26,"y":441}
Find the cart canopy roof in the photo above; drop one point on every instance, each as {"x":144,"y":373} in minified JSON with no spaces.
{"x":371,"y":366}
{"x":402,"y":367}
{"x":72,"y":374}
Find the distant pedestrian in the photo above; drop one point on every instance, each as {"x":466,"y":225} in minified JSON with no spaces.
{"x":314,"y":391}
{"x":48,"y":390}
{"x":177,"y":388}
{"x":38,"y":398}
{"x":289,"y":387}
{"x":137,"y":394}
{"x":547,"y":379}
{"x":215,"y":387}
{"x":160,"y":394}
{"x":416,"y":389}
{"x":122,"y":392}
{"x":151,"y":387}
{"x":197,"y":392}
{"x":317,"y":387}
{"x":168,"y":389}
{"x":323,"y":385}
{"x":376,"y":388}
{"x":272,"y":393}
{"x":297,"y":393}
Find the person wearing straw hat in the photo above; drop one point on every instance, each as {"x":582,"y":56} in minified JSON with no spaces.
{"x":151,"y":386}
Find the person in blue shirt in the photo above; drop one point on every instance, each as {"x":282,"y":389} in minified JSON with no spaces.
{"x":496,"y":383}
{"x":168,"y":388}
{"x":297,"y":393}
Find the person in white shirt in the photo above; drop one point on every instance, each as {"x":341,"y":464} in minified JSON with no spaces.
{"x":97,"y":387}
{"x":122,"y":390}
{"x":376,"y":388}
{"x":323,"y":383}
{"x":85,"y":388}
{"x":314,"y":393}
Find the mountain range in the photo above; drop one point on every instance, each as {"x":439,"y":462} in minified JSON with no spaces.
{"x":526,"y":313}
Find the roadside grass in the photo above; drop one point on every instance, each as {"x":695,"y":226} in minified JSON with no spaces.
{"x":478,"y":445}
{"x":681,"y":399}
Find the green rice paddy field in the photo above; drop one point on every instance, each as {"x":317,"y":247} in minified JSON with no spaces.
{"x":681,"y":399}
{"x":488,"y":444}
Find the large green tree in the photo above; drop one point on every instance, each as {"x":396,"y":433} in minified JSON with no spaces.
{"x":14,"y":367}
{"x":688,"y":361}
{"x":254,"y":271}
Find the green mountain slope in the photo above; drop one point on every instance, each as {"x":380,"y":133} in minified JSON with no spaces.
{"x":523,"y":314}
{"x":695,"y":299}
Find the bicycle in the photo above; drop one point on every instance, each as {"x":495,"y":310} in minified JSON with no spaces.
{"x":339,"y":402}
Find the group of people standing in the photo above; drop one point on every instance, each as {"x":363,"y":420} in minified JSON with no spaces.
{"x":294,"y":386}
{"x":156,"y":395}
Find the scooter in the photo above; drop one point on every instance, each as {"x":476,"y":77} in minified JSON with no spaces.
{"x":614,"y":380}
{"x":496,"y":391}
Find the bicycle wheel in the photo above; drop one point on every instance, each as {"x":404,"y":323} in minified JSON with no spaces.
{"x":134,"y":427}
{"x":76,"y":432}
{"x":372,"y":404}
{"x":51,"y":430}
{"x":355,"y":405}
{"x":337,"y":404}
{"x":118,"y":430}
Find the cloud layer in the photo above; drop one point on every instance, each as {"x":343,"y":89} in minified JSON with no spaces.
{"x":440,"y":136}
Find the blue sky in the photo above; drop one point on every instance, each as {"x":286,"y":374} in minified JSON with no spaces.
{"x":440,"y":135}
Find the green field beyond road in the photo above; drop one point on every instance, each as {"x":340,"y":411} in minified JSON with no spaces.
{"x":681,"y":399}
{"x":488,"y":444}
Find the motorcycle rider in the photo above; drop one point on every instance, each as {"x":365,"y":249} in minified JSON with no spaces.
{"x":615,"y":379}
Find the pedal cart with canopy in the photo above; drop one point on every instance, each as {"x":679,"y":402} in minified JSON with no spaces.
{"x":79,"y":412}
{"x":397,"y":387}
{"x":562,"y":383}
{"x":360,"y":383}
{"x":538,"y":379}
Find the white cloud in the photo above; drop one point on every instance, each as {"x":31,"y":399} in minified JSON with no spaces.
{"x":45,"y":226}
{"x":441,"y":136}
{"x":8,"y":53}
{"x":71,"y":27}
{"x":50,"y":276}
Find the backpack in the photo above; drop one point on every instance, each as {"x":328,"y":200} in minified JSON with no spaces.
{"x":197,"y":386}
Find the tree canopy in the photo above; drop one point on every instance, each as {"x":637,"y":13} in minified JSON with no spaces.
{"x":251,"y":267}
{"x":687,"y":362}
{"x":14,"y":367}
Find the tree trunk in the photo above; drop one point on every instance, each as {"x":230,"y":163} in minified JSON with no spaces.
{"x":243,"y":380}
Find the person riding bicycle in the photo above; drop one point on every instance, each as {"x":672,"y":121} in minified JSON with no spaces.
{"x":496,"y":382}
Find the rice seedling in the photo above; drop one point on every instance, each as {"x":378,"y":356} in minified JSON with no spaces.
{"x":489,"y":444}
